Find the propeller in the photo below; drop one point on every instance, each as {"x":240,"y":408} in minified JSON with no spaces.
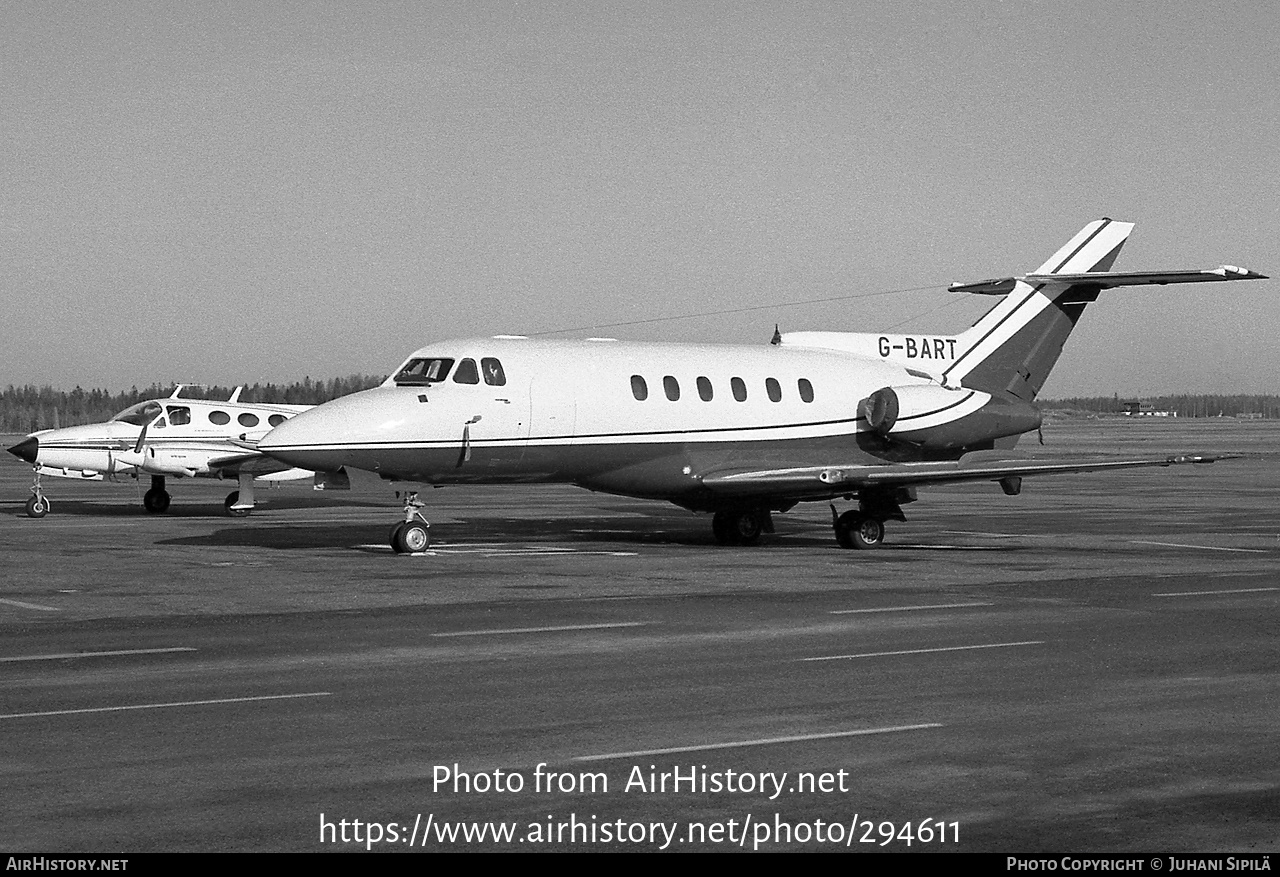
{"x":142,"y":439}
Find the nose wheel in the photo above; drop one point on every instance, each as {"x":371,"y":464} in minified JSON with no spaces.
{"x":413,"y":534}
{"x":38,"y":504}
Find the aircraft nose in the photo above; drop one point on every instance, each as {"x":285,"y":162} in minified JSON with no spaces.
{"x":26,"y":450}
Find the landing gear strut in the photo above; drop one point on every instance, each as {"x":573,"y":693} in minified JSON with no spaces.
{"x":38,"y":505}
{"x":413,"y":534}
{"x":239,"y":503}
{"x":156,"y":500}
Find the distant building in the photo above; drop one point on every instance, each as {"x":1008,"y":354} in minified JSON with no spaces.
{"x":1139,"y":409}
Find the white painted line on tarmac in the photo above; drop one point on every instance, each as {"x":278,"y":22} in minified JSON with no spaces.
{"x":97,"y":654}
{"x":159,"y":706}
{"x":1036,"y":642}
{"x":1204,"y":593}
{"x":908,"y":608}
{"x":503,"y":552}
{"x":22,"y":605}
{"x":504,"y":630}
{"x":995,"y":535}
{"x":767,"y":741}
{"x":1201,"y":547}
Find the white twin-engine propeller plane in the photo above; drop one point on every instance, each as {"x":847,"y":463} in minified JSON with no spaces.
{"x":738,"y":431}
{"x":176,"y":437}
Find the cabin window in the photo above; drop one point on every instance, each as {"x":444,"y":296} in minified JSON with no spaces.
{"x":179,"y":416}
{"x":276,"y":419}
{"x":672,"y":388}
{"x":219,"y":418}
{"x":467,"y":373}
{"x":159,"y":424}
{"x":639,"y":388}
{"x":247,"y":419}
{"x":704,"y":389}
{"x":774,"y":389}
{"x":739,"y":387}
{"x":806,"y":390}
{"x":420,"y":372}
{"x":494,"y":376}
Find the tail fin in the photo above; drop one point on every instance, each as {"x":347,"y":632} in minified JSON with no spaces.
{"x":1012,"y":348}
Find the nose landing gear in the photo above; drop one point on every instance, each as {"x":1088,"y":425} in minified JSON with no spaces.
{"x":38,"y":505}
{"x":413,"y":534}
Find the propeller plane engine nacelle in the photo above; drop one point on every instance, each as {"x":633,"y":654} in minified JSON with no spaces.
{"x":942,"y":418}
{"x":171,"y":461}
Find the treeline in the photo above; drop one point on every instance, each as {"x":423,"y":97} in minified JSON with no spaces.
{"x":27,"y":409}
{"x":1184,"y":405}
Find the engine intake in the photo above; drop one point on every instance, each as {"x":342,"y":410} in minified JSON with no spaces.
{"x":942,"y":418}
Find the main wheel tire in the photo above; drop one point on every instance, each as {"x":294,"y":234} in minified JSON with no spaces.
{"x":395,"y":535}
{"x":232,"y":498}
{"x":856,"y":530}
{"x":869,"y":533}
{"x":37,"y":507}
{"x":411,"y":538}
{"x":722,"y":526}
{"x":156,"y":501}
{"x":748,"y":526}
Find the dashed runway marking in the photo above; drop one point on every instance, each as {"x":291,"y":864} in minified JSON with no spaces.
{"x":908,"y":608}
{"x":22,"y":605}
{"x":1204,"y":593}
{"x":767,"y":741}
{"x":507,"y":630}
{"x":111,"y":654}
{"x":158,"y":706}
{"x":1201,"y":547}
{"x":1036,"y":642}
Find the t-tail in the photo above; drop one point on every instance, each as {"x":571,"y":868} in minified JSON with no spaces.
{"x":1013,"y":347}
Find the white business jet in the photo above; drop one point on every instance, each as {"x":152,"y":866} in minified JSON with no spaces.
{"x":176,"y":437}
{"x":737,"y":431}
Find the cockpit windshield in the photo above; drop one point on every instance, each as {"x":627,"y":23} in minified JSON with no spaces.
{"x":420,"y":372}
{"x":140,"y":414}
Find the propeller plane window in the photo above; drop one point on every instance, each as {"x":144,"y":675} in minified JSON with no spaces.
{"x":179,"y":416}
{"x":248,"y":419}
{"x":140,"y":414}
{"x":219,"y":418}
{"x":466,"y":373}
{"x":276,"y":419}
{"x":159,"y":424}
{"x":421,"y":372}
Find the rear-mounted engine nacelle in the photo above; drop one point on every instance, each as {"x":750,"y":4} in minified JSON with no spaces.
{"x":940,"y":418}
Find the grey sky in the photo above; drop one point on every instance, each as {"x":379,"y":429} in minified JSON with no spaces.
{"x":239,"y":192}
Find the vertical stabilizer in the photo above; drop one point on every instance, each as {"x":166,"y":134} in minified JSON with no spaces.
{"x":1014,"y":346}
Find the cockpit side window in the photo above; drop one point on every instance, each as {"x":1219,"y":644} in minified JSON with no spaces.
{"x":494,"y":376}
{"x":159,"y":424}
{"x":466,"y":373}
{"x":179,"y":416}
{"x":420,"y":372}
{"x":140,"y":414}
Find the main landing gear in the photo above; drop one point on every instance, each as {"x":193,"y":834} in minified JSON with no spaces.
{"x":854,"y":529}
{"x":741,"y":526}
{"x":239,"y":503}
{"x":413,"y":534}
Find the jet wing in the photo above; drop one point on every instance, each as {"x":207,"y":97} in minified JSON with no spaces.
{"x":823,"y":481}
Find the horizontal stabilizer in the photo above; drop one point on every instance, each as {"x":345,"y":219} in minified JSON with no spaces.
{"x":1109,"y":279}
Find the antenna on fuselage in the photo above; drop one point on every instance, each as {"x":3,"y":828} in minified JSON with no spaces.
{"x":777,"y":336}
